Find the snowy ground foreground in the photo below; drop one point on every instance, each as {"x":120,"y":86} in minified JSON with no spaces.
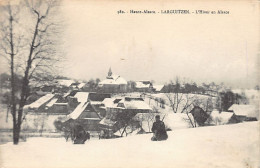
{"x":235,"y":146}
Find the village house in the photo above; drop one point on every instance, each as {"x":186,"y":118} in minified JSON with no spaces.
{"x":43,"y":90}
{"x":81,"y":85}
{"x":245,"y":112}
{"x":135,"y":104}
{"x":86,"y":115}
{"x":75,"y":97}
{"x":64,"y":85}
{"x":88,"y":110}
{"x":109,"y":124}
{"x":115,"y":106}
{"x":49,"y":103}
{"x":199,"y":115}
{"x":113,"y":84}
{"x":111,"y":102}
{"x":65,"y":82}
{"x":221,"y":118}
{"x":77,"y":86}
{"x":57,"y":105}
{"x":41,"y":114}
{"x":42,"y":87}
{"x":143,"y":86}
{"x":40,"y":104}
{"x":158,"y":88}
{"x":73,"y":103}
{"x":96,"y":100}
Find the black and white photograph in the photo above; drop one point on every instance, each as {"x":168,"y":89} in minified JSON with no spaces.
{"x":122,"y":84}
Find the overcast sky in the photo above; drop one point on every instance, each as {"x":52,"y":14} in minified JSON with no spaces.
{"x":202,"y":48}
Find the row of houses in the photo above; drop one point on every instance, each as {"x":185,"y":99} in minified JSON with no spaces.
{"x":111,"y":84}
{"x":94,"y":111}
{"x":235,"y":114}
{"x":99,"y":111}
{"x":56,"y":86}
{"x":115,"y":83}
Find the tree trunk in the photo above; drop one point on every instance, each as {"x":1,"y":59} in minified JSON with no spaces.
{"x":124,"y":130}
{"x":24,"y":92}
{"x":190,"y":120}
{"x":16,"y":134}
{"x":16,"y":130}
{"x":7,"y":113}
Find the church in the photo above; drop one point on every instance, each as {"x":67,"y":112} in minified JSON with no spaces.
{"x":113,"y":83}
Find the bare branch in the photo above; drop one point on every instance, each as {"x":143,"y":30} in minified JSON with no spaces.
{"x":46,"y":28}
{"x":36,"y":12}
{"x":37,"y":45}
{"x":46,"y":13}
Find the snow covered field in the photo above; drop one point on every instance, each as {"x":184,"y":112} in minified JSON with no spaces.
{"x":226,"y":146}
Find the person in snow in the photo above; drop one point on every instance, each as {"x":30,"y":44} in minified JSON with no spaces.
{"x":80,"y":135}
{"x":159,"y":130}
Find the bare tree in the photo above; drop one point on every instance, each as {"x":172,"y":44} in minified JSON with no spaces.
{"x":185,"y":102}
{"x":29,"y":45}
{"x":189,"y":104}
{"x":179,"y":102}
{"x":125,"y":119}
{"x":147,"y":118}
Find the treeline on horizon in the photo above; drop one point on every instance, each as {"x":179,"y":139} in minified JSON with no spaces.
{"x":177,"y":85}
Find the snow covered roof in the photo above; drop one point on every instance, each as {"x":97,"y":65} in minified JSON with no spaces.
{"x":158,"y":87}
{"x":141,"y":84}
{"x":92,"y":119}
{"x":61,"y":104}
{"x":65,"y":82}
{"x":51,"y":102}
{"x":176,"y":120}
{"x":81,"y":85}
{"x":226,"y":116}
{"x":113,"y":80}
{"x":41,"y":101}
{"x":135,"y":104}
{"x":96,"y":102}
{"x":110,"y":102}
{"x":221,"y":117}
{"x":66,"y":94}
{"x":78,"y":110}
{"x":214,"y":114}
{"x":244,"y":110}
{"x":82,"y":96}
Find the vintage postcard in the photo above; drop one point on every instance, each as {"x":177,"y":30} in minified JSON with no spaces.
{"x":121,"y":84}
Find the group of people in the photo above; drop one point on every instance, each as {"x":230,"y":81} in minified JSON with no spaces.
{"x":78,"y":135}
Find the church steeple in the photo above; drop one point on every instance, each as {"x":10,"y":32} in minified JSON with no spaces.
{"x":109,"y":74}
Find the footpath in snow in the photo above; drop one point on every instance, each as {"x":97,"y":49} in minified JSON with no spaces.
{"x":227,"y":146}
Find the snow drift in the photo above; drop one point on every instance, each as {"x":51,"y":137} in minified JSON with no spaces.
{"x":224,"y":146}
